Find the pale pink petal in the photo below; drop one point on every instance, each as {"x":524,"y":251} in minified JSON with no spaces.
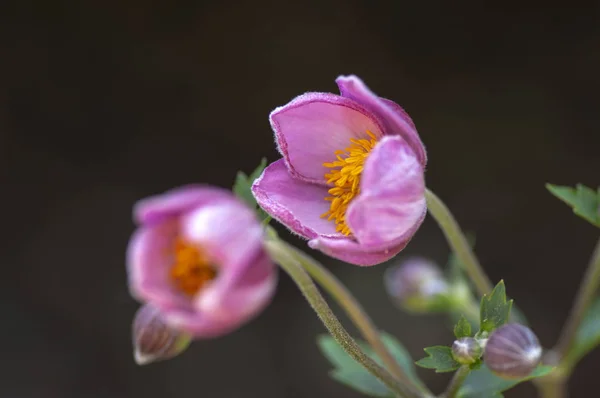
{"x":294,"y":203}
{"x":148,"y":262}
{"x":313,"y":126}
{"x":231,"y":235}
{"x":227,"y":230}
{"x":394,"y":118}
{"x":230,"y":300}
{"x":352,"y":252}
{"x":391,"y":205}
{"x":172,"y":203}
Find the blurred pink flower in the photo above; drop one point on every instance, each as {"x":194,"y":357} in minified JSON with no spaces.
{"x":352,"y":175}
{"x":197,"y":256}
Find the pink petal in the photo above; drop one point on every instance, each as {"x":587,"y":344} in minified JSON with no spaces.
{"x":172,"y":203}
{"x":391,"y":205}
{"x":227,"y":229}
{"x":231,"y":300}
{"x":148,"y":263}
{"x":352,"y":252}
{"x":313,"y":126}
{"x":395,"y":119}
{"x":294,"y":203}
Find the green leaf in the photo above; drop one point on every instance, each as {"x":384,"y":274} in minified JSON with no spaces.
{"x":347,"y":371}
{"x":462,"y":328}
{"x":482,"y":383}
{"x":584,"y":201}
{"x":495,"y":310}
{"x":588,"y":334}
{"x":401,"y":355}
{"x":360,"y":381}
{"x":242,"y":187}
{"x":439,"y":358}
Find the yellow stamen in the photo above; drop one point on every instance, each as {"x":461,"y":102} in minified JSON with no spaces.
{"x":191,"y":268}
{"x":345,"y":176}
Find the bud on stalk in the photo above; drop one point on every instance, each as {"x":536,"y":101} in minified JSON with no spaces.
{"x":466,"y":350}
{"x":512,"y":351}
{"x":153,"y":339}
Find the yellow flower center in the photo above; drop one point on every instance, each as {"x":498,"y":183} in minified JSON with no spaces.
{"x":345,"y":176}
{"x":191,"y":268}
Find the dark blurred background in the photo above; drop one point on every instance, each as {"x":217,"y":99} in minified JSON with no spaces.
{"x":105,"y":102}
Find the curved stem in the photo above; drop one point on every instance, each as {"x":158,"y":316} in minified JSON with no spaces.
{"x":459,"y":377}
{"x":458,"y":242}
{"x":288,"y":262}
{"x":586,"y":294}
{"x":356,"y":313}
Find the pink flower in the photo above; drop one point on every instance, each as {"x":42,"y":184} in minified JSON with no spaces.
{"x":352,"y":175}
{"x":197,"y":256}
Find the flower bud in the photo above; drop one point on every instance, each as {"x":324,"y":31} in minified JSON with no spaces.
{"x":512,"y":351}
{"x":466,"y":350}
{"x":417,"y":285}
{"x":153,"y":339}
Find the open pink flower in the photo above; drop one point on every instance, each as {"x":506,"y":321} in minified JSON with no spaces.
{"x":352,"y":175}
{"x":197,"y":257}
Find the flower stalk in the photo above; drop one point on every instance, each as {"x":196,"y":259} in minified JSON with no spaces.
{"x":458,"y":242}
{"x":355,"y":312}
{"x":281,"y":255}
{"x":586,"y":294}
{"x":457,"y":381}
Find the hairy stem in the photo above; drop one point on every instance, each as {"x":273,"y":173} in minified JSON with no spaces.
{"x":459,"y":377}
{"x":356,"y":313}
{"x":458,"y":242}
{"x":587,"y":291}
{"x":290,"y":264}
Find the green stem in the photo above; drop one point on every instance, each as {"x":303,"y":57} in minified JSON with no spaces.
{"x":356,"y":313}
{"x":459,"y":377}
{"x":458,"y":242}
{"x":585,"y":296}
{"x":552,"y":386}
{"x":288,"y":262}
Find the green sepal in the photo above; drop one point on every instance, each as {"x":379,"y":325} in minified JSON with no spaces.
{"x":494,"y":310}
{"x":462,"y":328}
{"x":439,"y":358}
{"x":584,"y":201}
{"x":481,"y":383}
{"x":242,"y":188}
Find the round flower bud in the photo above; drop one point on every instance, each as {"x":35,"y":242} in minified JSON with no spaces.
{"x":153,"y":339}
{"x":512,"y":351}
{"x":466,"y":350}
{"x":417,"y":285}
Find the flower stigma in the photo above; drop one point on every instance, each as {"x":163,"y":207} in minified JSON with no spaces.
{"x":191,"y":268}
{"x":345,"y":176}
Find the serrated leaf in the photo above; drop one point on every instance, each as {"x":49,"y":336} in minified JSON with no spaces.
{"x":588,"y":334}
{"x":242,"y":187}
{"x":462,"y":328}
{"x":347,"y":371}
{"x":495,"y":310}
{"x":439,"y":358}
{"x":360,"y":381}
{"x":482,"y":383}
{"x":584,"y":201}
